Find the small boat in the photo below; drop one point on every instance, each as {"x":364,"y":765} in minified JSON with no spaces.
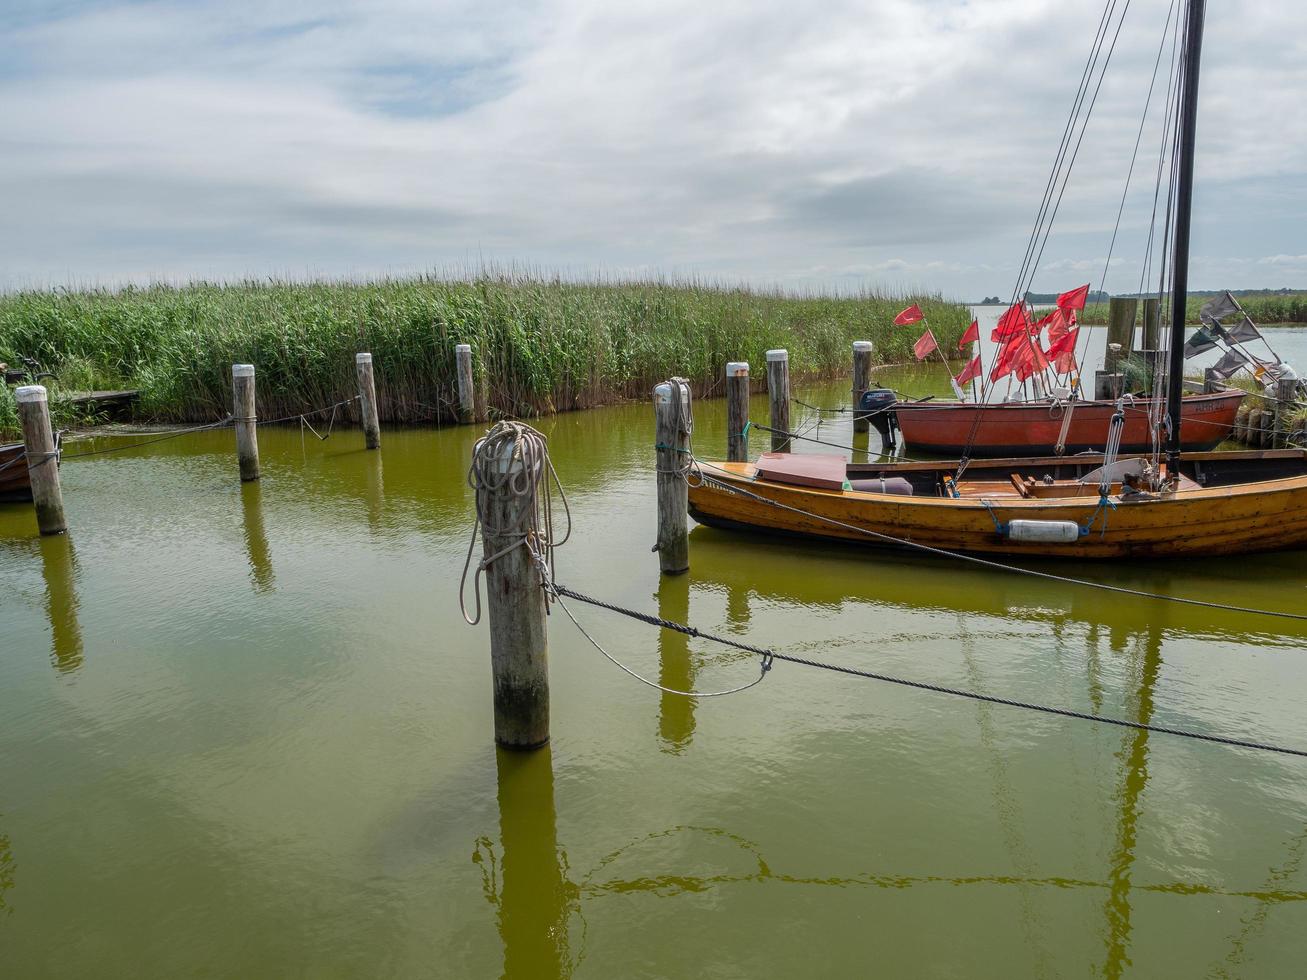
{"x":15,"y":484}
{"x":1218,"y":503}
{"x":1106,"y":505}
{"x":945,"y":428}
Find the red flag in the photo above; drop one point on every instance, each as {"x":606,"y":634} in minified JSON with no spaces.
{"x":1058,"y":326}
{"x":1062,"y":352}
{"x":972,"y":334}
{"x":924,"y":345}
{"x":1013,"y":322}
{"x":1074,"y":299}
{"x":911,"y":315}
{"x":1005,"y":360}
{"x":972,"y":370}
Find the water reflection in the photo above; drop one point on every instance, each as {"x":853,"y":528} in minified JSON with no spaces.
{"x":6,"y":873}
{"x":256,"y":538}
{"x":676,"y":669}
{"x":529,"y":886}
{"x":376,"y":491}
{"x":59,"y":569}
{"x":1134,"y":780}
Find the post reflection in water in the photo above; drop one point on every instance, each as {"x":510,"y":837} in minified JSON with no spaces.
{"x":256,"y":539}
{"x":59,"y":568}
{"x":376,"y":491}
{"x":534,"y":898}
{"x":1134,"y":780}
{"x":675,"y":666}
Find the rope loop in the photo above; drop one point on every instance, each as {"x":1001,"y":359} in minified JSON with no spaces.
{"x":512,"y":460}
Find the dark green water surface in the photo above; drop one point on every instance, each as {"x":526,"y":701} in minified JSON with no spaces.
{"x":244,"y":732}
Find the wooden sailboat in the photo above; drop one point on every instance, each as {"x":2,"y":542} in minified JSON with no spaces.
{"x":1086,"y":506}
{"x":15,"y":484}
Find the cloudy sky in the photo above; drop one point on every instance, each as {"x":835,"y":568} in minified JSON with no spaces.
{"x":841,"y":144}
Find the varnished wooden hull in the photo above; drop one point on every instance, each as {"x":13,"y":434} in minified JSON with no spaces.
{"x":1260,"y":515}
{"x":15,"y":484}
{"x":1009,"y":429}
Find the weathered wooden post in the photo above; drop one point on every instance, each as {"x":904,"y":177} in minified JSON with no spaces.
{"x":1121,"y":312}
{"x":672,"y":425}
{"x":737,"y":411}
{"x":368,"y":401}
{"x":246,"y":422}
{"x":467,"y":401}
{"x":1286,"y":404}
{"x":1152,"y":323}
{"x":42,"y":458}
{"x":515,"y":601}
{"x":778,"y":398}
{"x":861,"y":381}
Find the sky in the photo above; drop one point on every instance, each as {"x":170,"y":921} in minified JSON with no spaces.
{"x":842,"y":145}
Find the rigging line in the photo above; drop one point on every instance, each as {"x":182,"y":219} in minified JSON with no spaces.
{"x":834,"y":445}
{"x":1076,"y":103}
{"x":769,"y":654}
{"x":1079,"y":140}
{"x":988,"y":562}
{"x":1148,"y":101}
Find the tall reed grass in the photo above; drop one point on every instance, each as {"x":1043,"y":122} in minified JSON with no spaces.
{"x":540,"y":345}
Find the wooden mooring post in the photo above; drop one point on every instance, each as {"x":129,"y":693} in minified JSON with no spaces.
{"x":1286,"y":404}
{"x":468,"y":406}
{"x":246,"y":421}
{"x":1121,"y":313}
{"x":861,"y":381}
{"x":1152,"y":323}
{"x":515,"y":602}
{"x":737,"y":411}
{"x":42,"y":458}
{"x":778,"y":398}
{"x":368,"y":418}
{"x":672,"y":426}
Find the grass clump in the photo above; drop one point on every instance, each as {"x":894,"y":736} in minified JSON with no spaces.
{"x":542,"y":345}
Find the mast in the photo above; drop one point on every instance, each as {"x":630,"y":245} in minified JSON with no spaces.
{"x":1193,"y":48}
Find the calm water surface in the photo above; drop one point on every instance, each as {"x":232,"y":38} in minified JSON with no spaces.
{"x":244,"y":732}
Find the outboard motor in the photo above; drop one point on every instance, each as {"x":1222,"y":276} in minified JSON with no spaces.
{"x":878,"y":406}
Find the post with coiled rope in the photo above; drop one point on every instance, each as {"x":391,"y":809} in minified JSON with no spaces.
{"x":737,"y":411}
{"x":510,"y":466}
{"x":42,"y":452}
{"x":245,"y":421}
{"x":673,"y":422}
{"x":368,"y":418}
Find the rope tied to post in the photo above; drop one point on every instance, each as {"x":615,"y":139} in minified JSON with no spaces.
{"x":682,"y":424}
{"x":512,"y":460}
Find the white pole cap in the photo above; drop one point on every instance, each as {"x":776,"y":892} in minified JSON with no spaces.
{"x":780,"y":354}
{"x":662,"y":393}
{"x":30,"y":393}
{"x":862,"y":345}
{"x":242,"y":370}
{"x":737,"y":369}
{"x":362,"y":358}
{"x":462,"y":348}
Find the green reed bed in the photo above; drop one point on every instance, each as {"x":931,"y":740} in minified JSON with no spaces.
{"x":540,"y":345}
{"x":1270,"y":309}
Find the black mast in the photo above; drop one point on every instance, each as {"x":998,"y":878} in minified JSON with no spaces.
{"x":1193,"y":48}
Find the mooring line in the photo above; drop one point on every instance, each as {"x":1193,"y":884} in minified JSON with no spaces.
{"x":770,"y":655}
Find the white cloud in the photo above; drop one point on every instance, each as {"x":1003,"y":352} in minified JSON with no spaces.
{"x":878,"y":140}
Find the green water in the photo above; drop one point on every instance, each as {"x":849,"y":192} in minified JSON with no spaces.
{"x":245,"y":733}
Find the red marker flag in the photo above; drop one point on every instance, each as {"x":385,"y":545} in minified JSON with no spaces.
{"x":1074,"y":299}
{"x":1062,"y":352}
{"x":1011,"y":323}
{"x":911,"y":315}
{"x":924,"y":345}
{"x":972,"y":335}
{"x":970,"y":372}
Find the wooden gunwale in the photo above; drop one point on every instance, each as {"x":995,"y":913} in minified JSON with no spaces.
{"x":1237,"y":518}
